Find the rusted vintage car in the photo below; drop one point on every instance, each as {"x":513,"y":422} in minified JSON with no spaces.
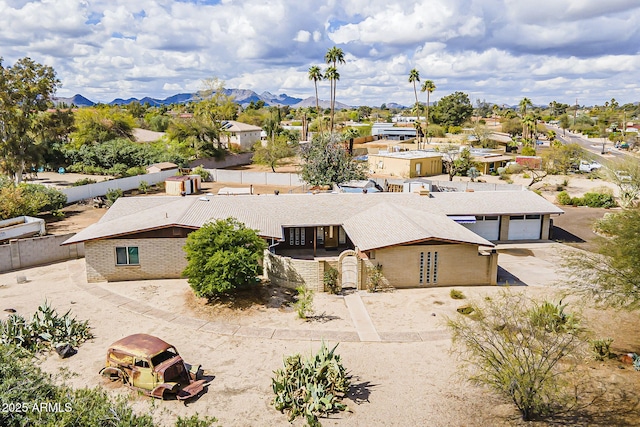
{"x":149,"y":364}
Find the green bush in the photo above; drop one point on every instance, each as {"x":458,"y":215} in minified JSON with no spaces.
{"x":563,"y":198}
{"x":304,"y":304}
{"x":375,"y":279}
{"x":49,"y":199}
{"x":83,"y":181}
{"x":601,"y":348}
{"x":223,"y":256}
{"x":330,"y":281}
{"x":455,"y":130}
{"x":595,"y":200}
{"x":196,"y":421}
{"x":143,"y":187}
{"x":528,"y":151}
{"x":311,"y":387}
{"x":456,"y":294}
{"x":204,"y":174}
{"x":113,"y":194}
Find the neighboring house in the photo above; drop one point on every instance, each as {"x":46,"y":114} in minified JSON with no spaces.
{"x":419,"y":240}
{"x":243,"y":134}
{"x":489,"y":163}
{"x":390,"y":131}
{"x":163,"y":166}
{"x":407,"y":164}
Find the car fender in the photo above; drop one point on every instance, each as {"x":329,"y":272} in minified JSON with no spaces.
{"x":114,"y":374}
{"x":161,"y":389}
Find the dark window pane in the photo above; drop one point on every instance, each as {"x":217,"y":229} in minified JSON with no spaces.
{"x":133,"y":255}
{"x":121,"y":256}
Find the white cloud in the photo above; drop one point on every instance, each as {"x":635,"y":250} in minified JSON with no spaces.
{"x":494,"y":49}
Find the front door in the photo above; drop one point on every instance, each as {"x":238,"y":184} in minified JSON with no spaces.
{"x":331,"y":236}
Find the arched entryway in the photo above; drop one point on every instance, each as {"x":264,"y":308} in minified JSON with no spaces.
{"x":348,"y":268}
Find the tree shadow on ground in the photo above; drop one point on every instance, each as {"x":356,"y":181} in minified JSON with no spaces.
{"x":261,"y":295}
{"x":322,"y":318}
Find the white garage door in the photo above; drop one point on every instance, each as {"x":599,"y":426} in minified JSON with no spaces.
{"x":486,"y":226}
{"x":525,"y":227}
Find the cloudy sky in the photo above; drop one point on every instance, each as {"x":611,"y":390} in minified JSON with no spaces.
{"x":494,"y":50}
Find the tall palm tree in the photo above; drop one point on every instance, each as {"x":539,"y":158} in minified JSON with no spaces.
{"x":414,"y":76}
{"x":333,"y":76}
{"x":333,"y":56}
{"x":428,"y":86}
{"x":315,"y":74}
{"x":526,"y":102}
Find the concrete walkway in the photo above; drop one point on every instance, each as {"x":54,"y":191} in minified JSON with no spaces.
{"x":360,"y":317}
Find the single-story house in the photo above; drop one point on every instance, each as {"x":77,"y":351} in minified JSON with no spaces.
{"x":243,"y":134}
{"x":407,"y":164}
{"x":162,"y":166}
{"x":419,"y":240}
{"x":489,"y":163}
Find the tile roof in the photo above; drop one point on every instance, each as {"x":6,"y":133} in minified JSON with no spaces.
{"x":370,"y":220}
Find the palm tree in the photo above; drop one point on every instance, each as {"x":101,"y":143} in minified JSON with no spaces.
{"x":526,"y":102}
{"x":315,"y":74}
{"x":333,"y":56}
{"x":428,"y":86}
{"x":414,"y":76}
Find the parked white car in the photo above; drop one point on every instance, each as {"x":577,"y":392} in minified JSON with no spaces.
{"x":586,"y":166}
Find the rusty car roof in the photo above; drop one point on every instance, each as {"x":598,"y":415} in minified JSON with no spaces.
{"x":141,"y":345}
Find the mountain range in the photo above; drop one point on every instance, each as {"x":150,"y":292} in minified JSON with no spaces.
{"x":241,"y":96}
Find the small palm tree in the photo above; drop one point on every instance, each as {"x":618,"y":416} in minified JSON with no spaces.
{"x":333,"y":56}
{"x":428,"y":86}
{"x":526,"y":102}
{"x":414,"y":77}
{"x":315,"y":74}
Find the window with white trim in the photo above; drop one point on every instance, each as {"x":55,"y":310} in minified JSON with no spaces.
{"x":342,"y":236}
{"x":127,"y":255}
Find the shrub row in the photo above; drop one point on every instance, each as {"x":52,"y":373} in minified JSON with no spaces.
{"x":592,"y":200}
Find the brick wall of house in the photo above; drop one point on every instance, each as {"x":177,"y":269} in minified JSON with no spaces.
{"x":159,"y":259}
{"x":457,"y":265}
{"x":291,"y":273}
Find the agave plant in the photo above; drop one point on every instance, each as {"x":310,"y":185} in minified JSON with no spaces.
{"x":311,"y":387}
{"x":46,"y":330}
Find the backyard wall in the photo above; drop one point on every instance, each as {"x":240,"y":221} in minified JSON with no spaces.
{"x":125,"y":184}
{"x":35,"y":251}
{"x":257,"y":178}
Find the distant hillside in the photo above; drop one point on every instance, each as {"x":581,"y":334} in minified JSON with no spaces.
{"x":241,"y":96}
{"x":76,"y":99}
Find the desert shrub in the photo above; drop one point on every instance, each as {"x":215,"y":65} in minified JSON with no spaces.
{"x":375,"y":279}
{"x":43,"y":198}
{"x":304,"y":304}
{"x":456,"y":294}
{"x":595,"y":200}
{"x":113,"y":194}
{"x":196,"y":421}
{"x":563,"y":198}
{"x":83,"y":181}
{"x":520,"y":349}
{"x":204,"y":174}
{"x":311,"y":387}
{"x":330,"y":280}
{"x":528,"y":151}
{"x":143,"y":187}
{"x":513,"y":168}
{"x":436,"y":131}
{"x":46,"y":330}
{"x":465,"y":309}
{"x":454,"y":130}
{"x":601,"y":348}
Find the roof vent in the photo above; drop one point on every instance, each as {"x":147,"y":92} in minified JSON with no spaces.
{"x":204,"y":199}
{"x":424,"y":191}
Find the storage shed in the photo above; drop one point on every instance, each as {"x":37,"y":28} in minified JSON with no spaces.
{"x":186,"y":184}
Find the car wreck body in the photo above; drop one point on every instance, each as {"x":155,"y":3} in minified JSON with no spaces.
{"x":149,"y":364}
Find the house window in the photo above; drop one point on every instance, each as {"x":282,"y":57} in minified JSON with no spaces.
{"x":435,"y":267}
{"x":372,"y":254}
{"x":320,"y":235}
{"x":532,"y":216}
{"x":428,"y":266}
{"x":491,"y":218}
{"x":127,"y":255}
{"x":297,"y":236}
{"x":342,"y":236}
{"x":421,"y":268}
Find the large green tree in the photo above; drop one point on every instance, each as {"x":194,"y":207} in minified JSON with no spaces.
{"x":97,"y":125}
{"x":326,"y":162}
{"x":611,"y":274}
{"x":273,"y":151}
{"x":26,"y":90}
{"x":453,"y":109}
{"x":222,"y":256}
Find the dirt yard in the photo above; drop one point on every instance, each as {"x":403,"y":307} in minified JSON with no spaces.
{"x":410,"y":378}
